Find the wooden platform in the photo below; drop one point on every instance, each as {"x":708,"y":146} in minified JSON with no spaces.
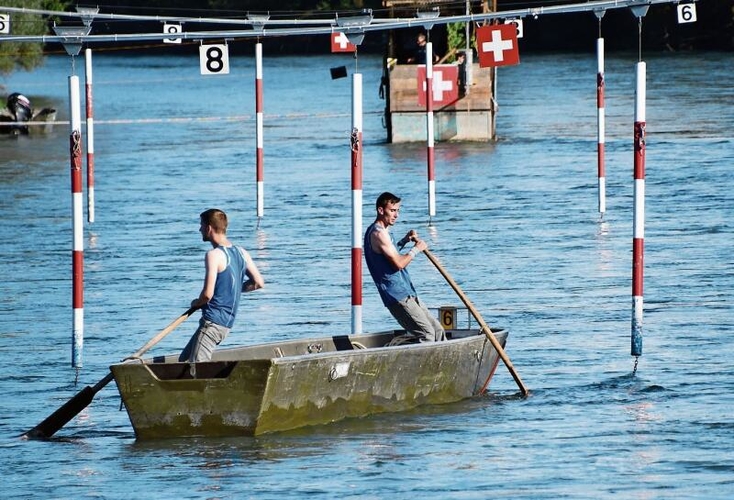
{"x":470,"y":118}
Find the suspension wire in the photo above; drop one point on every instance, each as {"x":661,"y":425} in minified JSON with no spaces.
{"x":291,"y":27}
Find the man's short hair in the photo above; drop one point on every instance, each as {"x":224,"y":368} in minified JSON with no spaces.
{"x":385,"y":199}
{"x":215,"y":218}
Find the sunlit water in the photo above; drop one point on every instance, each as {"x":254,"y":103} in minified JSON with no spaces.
{"x":517,"y":226}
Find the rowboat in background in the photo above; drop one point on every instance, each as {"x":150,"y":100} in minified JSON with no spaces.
{"x":18,"y":116}
{"x":279,"y":386}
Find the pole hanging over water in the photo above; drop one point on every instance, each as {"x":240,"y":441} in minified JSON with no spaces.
{"x":260,"y":169}
{"x":90,"y":134}
{"x":431,"y":173}
{"x":356,"y":146}
{"x":638,"y":237}
{"x":75,"y":149}
{"x":600,"y":124}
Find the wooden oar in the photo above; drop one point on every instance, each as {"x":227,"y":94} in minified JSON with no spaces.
{"x":75,"y":405}
{"x":475,"y":313}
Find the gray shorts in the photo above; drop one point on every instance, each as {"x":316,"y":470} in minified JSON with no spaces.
{"x":417,"y":320}
{"x":202,"y":344}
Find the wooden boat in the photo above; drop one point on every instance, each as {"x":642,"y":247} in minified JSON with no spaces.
{"x":285,"y":385}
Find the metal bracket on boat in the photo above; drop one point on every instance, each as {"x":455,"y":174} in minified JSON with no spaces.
{"x":314,"y":348}
{"x":339,"y":370}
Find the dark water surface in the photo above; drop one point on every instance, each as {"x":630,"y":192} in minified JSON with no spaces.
{"x":516,"y":225}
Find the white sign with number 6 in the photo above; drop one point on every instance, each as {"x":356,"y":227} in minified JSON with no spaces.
{"x":214,"y":59}
{"x":4,"y":23}
{"x":172,"y":29}
{"x":686,"y":13}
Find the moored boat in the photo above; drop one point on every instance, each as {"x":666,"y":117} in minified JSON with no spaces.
{"x":18,"y":117}
{"x":279,"y":386}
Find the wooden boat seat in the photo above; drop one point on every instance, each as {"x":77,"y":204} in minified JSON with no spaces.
{"x":181,"y":371}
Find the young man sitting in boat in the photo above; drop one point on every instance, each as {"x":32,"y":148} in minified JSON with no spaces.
{"x":388,"y":268}
{"x":229,"y":272}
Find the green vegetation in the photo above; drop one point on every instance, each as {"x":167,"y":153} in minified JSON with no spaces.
{"x":26,"y":55}
{"x":29,"y":55}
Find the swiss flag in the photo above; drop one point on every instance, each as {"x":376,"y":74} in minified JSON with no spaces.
{"x":340,"y":43}
{"x":445,"y":84}
{"x":497,"y":45}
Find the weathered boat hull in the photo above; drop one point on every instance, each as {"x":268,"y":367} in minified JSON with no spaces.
{"x":280,"y":386}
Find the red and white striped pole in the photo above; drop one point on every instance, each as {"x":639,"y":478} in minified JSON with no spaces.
{"x":259,"y":132}
{"x":356,"y":146}
{"x":638,"y":238}
{"x":75,"y":148}
{"x":429,"y":131}
{"x":90,"y":134}
{"x":600,"y":123}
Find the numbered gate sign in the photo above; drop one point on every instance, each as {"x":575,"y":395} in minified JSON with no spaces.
{"x":686,"y":13}
{"x":4,"y":23}
{"x":171,"y":29}
{"x":447,"y":317}
{"x":518,"y":25}
{"x":214,"y":59}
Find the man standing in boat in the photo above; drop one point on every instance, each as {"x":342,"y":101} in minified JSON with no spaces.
{"x":388,"y":268}
{"x":229,"y":272}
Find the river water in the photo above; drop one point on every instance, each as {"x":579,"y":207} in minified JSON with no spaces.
{"x":517,"y":226}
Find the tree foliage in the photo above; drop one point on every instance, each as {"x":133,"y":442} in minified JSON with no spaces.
{"x":26,"y":55}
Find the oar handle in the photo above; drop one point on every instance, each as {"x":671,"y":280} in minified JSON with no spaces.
{"x":487,"y":331}
{"x":163,"y":333}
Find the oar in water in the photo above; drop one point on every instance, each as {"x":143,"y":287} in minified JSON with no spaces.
{"x":487,"y":331}
{"x":75,"y":405}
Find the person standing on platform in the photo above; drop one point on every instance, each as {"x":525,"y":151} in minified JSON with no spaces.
{"x":419,"y":53}
{"x":388,"y":268}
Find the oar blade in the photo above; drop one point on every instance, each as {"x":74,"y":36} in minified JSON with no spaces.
{"x":75,"y":405}
{"x":62,"y":416}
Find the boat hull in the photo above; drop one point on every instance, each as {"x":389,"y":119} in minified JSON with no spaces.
{"x":285,"y":385}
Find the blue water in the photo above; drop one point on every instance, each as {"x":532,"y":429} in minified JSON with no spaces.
{"x":517,"y":226}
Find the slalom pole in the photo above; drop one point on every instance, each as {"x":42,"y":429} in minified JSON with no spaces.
{"x":75,"y":148}
{"x":600,"y":124}
{"x":259,"y":133}
{"x":356,"y":146}
{"x":90,"y":134}
{"x":638,"y":237}
{"x":429,"y":131}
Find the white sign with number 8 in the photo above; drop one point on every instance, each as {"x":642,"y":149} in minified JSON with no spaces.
{"x":518,"y":25}
{"x":173,"y":29}
{"x":214,"y":59}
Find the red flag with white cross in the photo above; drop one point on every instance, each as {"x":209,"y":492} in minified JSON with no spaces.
{"x":497,"y":45}
{"x":340,"y":43}
{"x":445,"y":84}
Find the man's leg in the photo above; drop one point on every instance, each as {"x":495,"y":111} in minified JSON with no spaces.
{"x":416,"y":319}
{"x":202,"y":344}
